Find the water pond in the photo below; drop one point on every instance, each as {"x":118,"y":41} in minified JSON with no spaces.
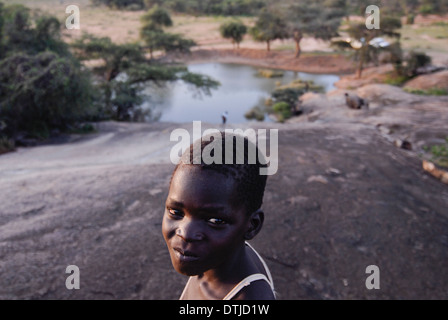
{"x":240,"y":90}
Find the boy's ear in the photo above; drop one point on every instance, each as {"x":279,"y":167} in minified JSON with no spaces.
{"x":255,"y":224}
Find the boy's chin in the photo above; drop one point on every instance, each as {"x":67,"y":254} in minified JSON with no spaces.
{"x":187,"y":271}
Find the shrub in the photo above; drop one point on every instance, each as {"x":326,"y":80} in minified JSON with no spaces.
{"x":234,"y":30}
{"x":282,"y":110}
{"x":42,"y":92}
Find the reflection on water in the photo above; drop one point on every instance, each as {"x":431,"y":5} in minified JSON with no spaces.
{"x":240,"y":91}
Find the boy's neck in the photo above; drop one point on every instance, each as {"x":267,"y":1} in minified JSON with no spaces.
{"x":227,"y":275}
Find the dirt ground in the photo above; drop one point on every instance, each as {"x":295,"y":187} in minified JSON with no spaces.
{"x":313,"y":63}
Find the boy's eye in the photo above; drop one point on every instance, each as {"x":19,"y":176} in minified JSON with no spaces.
{"x":174,"y":212}
{"x":216,"y":221}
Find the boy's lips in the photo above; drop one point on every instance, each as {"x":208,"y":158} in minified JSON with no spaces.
{"x":185,"y":255}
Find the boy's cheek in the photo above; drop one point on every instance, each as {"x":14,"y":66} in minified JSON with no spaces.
{"x":168,"y":228}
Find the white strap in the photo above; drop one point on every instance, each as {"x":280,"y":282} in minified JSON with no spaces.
{"x":185,"y":289}
{"x":265,"y":266}
{"x":244,"y":283}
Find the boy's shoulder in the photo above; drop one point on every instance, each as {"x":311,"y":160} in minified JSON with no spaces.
{"x":257,"y":290}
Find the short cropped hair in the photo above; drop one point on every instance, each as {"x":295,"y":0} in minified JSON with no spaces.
{"x":249,"y":183}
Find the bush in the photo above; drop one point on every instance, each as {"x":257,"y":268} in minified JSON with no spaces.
{"x":256,"y":113}
{"x":6,"y":144}
{"x":234,"y":30}
{"x":282,"y":110}
{"x":416,"y":60}
{"x":42,"y":92}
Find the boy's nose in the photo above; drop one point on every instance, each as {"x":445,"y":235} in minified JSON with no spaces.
{"x":189,"y":232}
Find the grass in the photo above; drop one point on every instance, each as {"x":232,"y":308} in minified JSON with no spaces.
{"x":423,"y":37}
{"x":395,"y":80}
{"x":429,"y":92}
{"x":439,"y":153}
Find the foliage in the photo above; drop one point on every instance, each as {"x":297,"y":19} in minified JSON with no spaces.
{"x":439,"y":153}
{"x":414,"y":61}
{"x":42,"y":86}
{"x":282,"y":110}
{"x":256,"y":113}
{"x":319,"y":19}
{"x":154,"y":36}
{"x":291,"y":92}
{"x":269,"y":73}
{"x":363,"y":36}
{"x":127,"y":98}
{"x":211,"y":7}
{"x":120,"y":4}
{"x":168,"y":42}
{"x":269,"y":26}
{"x":120,"y":98}
{"x":156,"y":18}
{"x":116,"y":57}
{"x":408,"y":8}
{"x":20,"y":33}
{"x":41,"y":92}
{"x":234,"y":30}
{"x":6,"y":144}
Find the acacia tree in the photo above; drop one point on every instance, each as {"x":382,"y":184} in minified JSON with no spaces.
{"x":42,"y":86}
{"x":363,"y":37}
{"x":234,"y":30}
{"x":318,"y":19}
{"x":154,"y":36}
{"x":269,"y":26}
{"x":121,"y":97}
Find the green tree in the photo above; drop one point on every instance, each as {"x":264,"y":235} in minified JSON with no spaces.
{"x":234,"y":30}
{"x":156,"y":18}
{"x":317,"y":19}
{"x":17,"y":28}
{"x":120,"y":4}
{"x":154,"y":36}
{"x":269,"y":26}
{"x":129,"y":59}
{"x":42,"y":92}
{"x":363,"y":37}
{"x":42,"y":86}
{"x":115,"y":57}
{"x":22,"y":34}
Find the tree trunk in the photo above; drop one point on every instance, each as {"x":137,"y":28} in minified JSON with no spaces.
{"x":362,"y":58}
{"x":268,"y":45}
{"x":298,"y":49}
{"x":297,"y":38}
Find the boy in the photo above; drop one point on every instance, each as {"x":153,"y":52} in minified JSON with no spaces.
{"x":211,"y":210}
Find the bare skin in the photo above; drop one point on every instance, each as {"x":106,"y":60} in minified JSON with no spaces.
{"x":206,"y":236}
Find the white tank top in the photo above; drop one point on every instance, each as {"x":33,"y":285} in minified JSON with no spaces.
{"x":246,"y":281}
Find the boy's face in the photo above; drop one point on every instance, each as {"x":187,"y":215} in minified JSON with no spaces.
{"x":200,"y":226}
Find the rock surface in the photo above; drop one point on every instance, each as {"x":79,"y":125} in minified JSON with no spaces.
{"x":437,"y":80}
{"x":344,"y":198}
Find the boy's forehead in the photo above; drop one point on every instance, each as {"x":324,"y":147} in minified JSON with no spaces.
{"x":197,"y":173}
{"x":198,"y":185}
